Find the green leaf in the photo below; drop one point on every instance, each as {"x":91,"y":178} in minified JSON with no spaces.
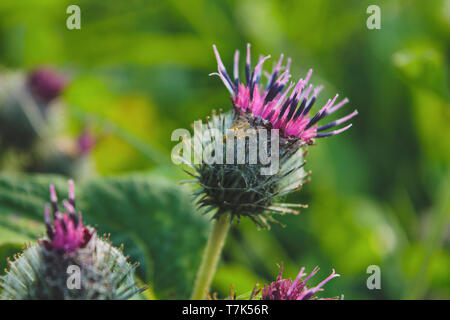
{"x":153,"y":218}
{"x":26,"y":197}
{"x":159,"y":219}
{"x":8,"y":250}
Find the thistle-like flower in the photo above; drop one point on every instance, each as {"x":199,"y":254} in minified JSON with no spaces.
{"x":278,"y":105}
{"x":275,"y":118}
{"x":46,"y":84}
{"x":65,"y":155}
{"x":44,"y":269}
{"x":286,"y":289}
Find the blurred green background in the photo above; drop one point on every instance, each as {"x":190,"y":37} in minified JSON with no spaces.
{"x":138,"y":69}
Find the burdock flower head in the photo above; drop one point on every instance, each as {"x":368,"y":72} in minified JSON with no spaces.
{"x":72,"y":262}
{"x":286,"y":289}
{"x":264,"y":139}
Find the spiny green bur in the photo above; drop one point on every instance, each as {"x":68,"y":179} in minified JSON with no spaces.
{"x":44,"y":274}
{"x":241,"y":189}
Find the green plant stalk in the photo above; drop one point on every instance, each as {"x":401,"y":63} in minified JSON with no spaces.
{"x":210,"y":257}
{"x":433,"y":241}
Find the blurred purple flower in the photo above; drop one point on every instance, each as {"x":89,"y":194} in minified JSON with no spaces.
{"x":86,"y":142}
{"x":272,"y":103}
{"x":286,"y":289}
{"x":46,"y":84}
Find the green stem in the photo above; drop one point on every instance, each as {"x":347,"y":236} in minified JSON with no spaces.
{"x":433,"y":241}
{"x":211,"y":256}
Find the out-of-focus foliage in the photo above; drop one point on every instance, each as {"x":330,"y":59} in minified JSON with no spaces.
{"x":379,"y":193}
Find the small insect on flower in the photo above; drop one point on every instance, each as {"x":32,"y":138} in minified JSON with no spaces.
{"x":41,"y":271}
{"x":264,"y":139}
{"x":286,"y":289}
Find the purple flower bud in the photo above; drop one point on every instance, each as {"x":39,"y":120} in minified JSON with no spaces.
{"x":86,"y":142}
{"x":286,"y":289}
{"x":46,"y":84}
{"x":41,"y":271}
{"x":66,"y":233}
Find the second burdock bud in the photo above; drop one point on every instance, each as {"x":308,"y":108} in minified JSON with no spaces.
{"x":72,"y":262}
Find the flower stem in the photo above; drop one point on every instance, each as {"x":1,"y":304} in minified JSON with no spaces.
{"x":211,"y":256}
